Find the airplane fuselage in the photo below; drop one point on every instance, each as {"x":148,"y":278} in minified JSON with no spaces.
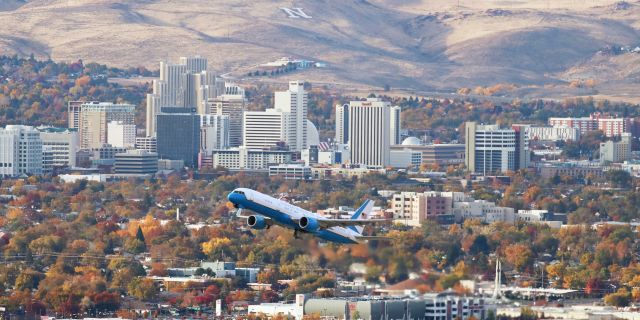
{"x":286,"y":214}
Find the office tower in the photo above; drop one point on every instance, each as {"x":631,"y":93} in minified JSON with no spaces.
{"x":94,"y":118}
{"x":20,"y":151}
{"x":186,"y":84}
{"x":73,"y":113}
{"x":178,"y":135}
{"x":294,"y":102}
{"x":136,"y":162}
{"x":214,"y":132}
{"x":121,"y":135}
{"x":396,"y":126}
{"x":342,"y":124}
{"x":492,"y":150}
{"x":264,"y":129}
{"x":233,"y":106}
{"x":59,"y":147}
{"x":369,"y":132}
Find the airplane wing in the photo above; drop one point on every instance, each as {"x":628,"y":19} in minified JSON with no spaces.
{"x":328,"y":223}
{"x":239,"y":214}
{"x":267,"y":220}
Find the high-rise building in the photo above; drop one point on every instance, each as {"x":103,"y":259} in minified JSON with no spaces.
{"x":616,"y":151}
{"x":178,"y":135}
{"x":59,"y":147}
{"x":207,"y":86}
{"x":194,"y":64}
{"x":342,"y":124}
{"x":396,"y":127}
{"x":490,"y":149}
{"x":214,"y":132}
{"x":233,"y":106}
{"x":294,"y":102}
{"x":136,"y":162}
{"x":73,"y":113}
{"x":369,"y":132}
{"x":121,"y":135}
{"x":186,"y":84}
{"x":264,"y":129}
{"x":20,"y":151}
{"x":523,"y":154}
{"x":94,"y":119}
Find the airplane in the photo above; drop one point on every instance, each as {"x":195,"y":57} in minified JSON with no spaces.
{"x":270,"y":211}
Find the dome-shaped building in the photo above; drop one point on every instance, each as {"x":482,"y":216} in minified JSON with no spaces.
{"x":411,"y":141}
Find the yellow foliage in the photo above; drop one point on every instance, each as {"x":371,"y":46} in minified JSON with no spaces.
{"x":212,"y":245}
{"x":14,"y":213}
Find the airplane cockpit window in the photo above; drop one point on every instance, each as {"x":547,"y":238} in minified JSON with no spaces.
{"x":239,"y":192}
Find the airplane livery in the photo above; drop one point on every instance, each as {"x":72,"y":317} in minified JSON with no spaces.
{"x":270,"y":211}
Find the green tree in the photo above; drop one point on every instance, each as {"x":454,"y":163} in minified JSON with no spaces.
{"x":143,"y":289}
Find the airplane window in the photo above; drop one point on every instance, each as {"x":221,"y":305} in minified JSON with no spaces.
{"x":239,"y":192}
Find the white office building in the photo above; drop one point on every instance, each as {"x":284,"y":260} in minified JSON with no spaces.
{"x":214,"y":132}
{"x":294,"y":103}
{"x":490,"y":149}
{"x":121,"y":135}
{"x":20,"y":151}
{"x":243,"y":158}
{"x":264,"y":129}
{"x":59,"y":147}
{"x":369,"y":132}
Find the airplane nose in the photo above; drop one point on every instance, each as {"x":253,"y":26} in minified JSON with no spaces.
{"x":235,"y":198}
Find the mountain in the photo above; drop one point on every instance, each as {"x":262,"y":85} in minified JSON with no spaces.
{"x":420,"y":44}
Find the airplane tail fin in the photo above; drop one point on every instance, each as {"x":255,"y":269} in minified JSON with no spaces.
{"x":360,"y":214}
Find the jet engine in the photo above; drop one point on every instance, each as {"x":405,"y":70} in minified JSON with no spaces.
{"x":309,"y":224}
{"x":257,"y":222}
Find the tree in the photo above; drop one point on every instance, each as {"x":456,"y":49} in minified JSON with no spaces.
{"x":28,"y":279}
{"x":135,"y":246}
{"x":143,"y":288}
{"x":619,"y":178}
{"x":519,"y":255}
{"x":373,"y":274}
{"x":621,"y":298}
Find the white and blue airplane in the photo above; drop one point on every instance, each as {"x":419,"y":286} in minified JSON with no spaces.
{"x":270,"y":211}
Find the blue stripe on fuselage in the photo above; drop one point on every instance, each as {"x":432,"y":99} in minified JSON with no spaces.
{"x":285,"y":219}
